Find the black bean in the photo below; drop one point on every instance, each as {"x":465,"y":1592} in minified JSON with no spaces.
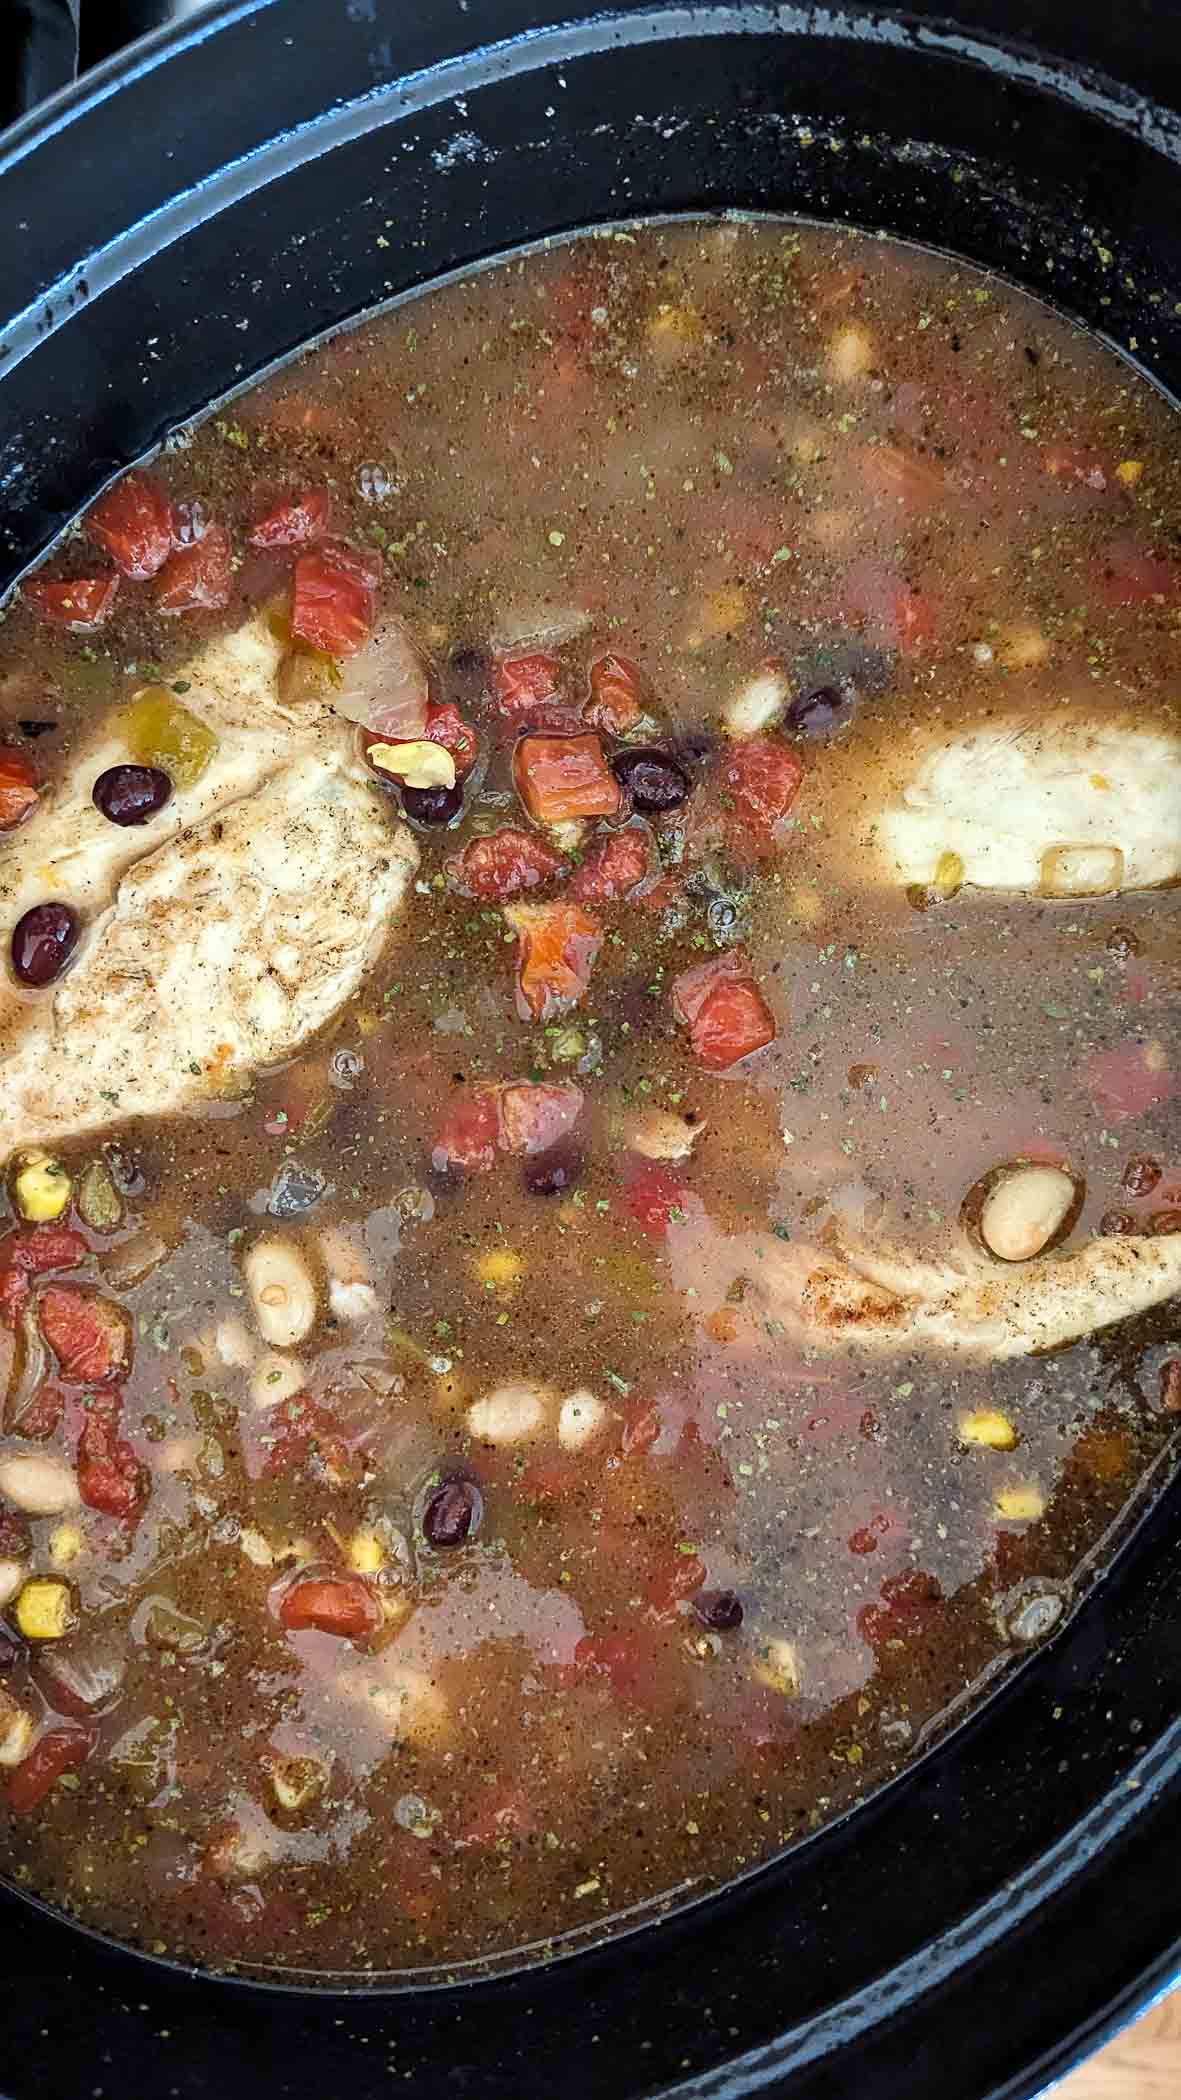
{"x":1141,"y":1174}
{"x":453,"y":1514}
{"x":43,"y":942}
{"x":720,"y":1610}
{"x":437,"y":805}
{"x":1115,"y":1223}
{"x":653,"y":779}
{"x":550,"y":1173}
{"x":131,"y":794}
{"x":819,"y":714}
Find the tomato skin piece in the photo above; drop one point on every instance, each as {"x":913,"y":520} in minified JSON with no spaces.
{"x":133,"y":524}
{"x":445,"y":725}
{"x":614,"y":867}
{"x":18,"y":787}
{"x":559,"y":944}
{"x":307,"y":1433}
{"x":59,"y":1750}
{"x":504,"y":863}
{"x":345,"y":1605}
{"x":81,"y":605}
{"x":907,"y":1601}
{"x":654,"y":1197}
{"x":294,"y":522}
{"x":34,"y":1251}
{"x":335,"y":597}
{"x":90,"y":1336}
{"x":724,"y":1011}
{"x":41,"y":1416}
{"x":1132,"y":575}
{"x":111,"y":1478}
{"x":760,"y":779}
{"x":560,"y":777}
{"x":674,"y":1576}
{"x":535,"y":1114}
{"x":525,"y":681}
{"x":197,"y":577}
{"x":615,"y":704}
{"x":470,"y":1133}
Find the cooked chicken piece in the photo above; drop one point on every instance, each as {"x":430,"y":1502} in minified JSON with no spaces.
{"x":224,"y":950}
{"x":849,"y":1293}
{"x":1052,"y":803}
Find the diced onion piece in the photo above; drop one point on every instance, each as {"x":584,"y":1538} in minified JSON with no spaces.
{"x":988,"y":1428}
{"x":419,"y":764}
{"x":510,"y":1414}
{"x":255,"y":1547}
{"x":41,"y":1187}
{"x":385,"y":686}
{"x":1025,"y":1210}
{"x":16,"y":1730}
{"x":409,"y":1704}
{"x":778,"y":1666}
{"x":351,"y":1301}
{"x":233,"y":1346}
{"x":657,"y":1133}
{"x":12,"y":1574}
{"x":580,"y":1418}
{"x":1021,"y":1503}
{"x":38,"y":1482}
{"x":275,"y":1378}
{"x":351,"y":1295}
{"x":282,"y":1291}
{"x":759,"y":704}
{"x":1082,"y":871}
{"x":45,"y":1609}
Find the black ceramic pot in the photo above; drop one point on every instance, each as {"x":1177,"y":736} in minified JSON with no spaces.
{"x":194,"y":210}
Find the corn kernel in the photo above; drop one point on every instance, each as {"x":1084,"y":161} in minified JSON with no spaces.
{"x":1022,"y":1502}
{"x":66,"y":1542}
{"x":500,"y":1268}
{"x":779,"y":1667}
{"x":1129,"y":472}
{"x":45,"y":1609}
{"x":367,"y":1554}
{"x":949,"y":875}
{"x":42,"y":1188}
{"x":989,"y":1428}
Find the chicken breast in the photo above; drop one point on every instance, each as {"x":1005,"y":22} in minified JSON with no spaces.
{"x":224,"y":950}
{"x":848,"y":1293}
{"x":1051,"y":803}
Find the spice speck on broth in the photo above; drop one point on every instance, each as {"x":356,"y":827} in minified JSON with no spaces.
{"x":590,"y":1090}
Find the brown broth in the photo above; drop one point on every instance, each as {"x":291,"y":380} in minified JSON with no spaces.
{"x":641,"y":437}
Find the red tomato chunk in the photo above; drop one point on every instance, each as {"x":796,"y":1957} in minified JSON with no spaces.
{"x":81,"y":605}
{"x":90,"y":1336}
{"x":470,"y":1133}
{"x":197,"y":577}
{"x":525,"y":683}
{"x":59,"y":1750}
{"x":559,"y":944}
{"x":18,"y":787}
{"x":505,"y":863}
{"x":760,"y":780}
{"x":345,"y":1605}
{"x":110,"y":1476}
{"x":36,"y":1250}
{"x":615,"y":704}
{"x":534,"y":1115}
{"x":133,"y":524}
{"x":724,"y":1011}
{"x":559,"y":777}
{"x":295,"y":522}
{"x":614,"y":867}
{"x":335,"y":597}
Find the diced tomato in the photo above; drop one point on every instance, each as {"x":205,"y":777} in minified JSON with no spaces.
{"x":59,"y":1750}
{"x":559,"y":777}
{"x":760,"y":780}
{"x":335,"y":597}
{"x":506,"y":1814}
{"x":300,"y":1436}
{"x":41,"y":1414}
{"x":470,"y":1132}
{"x":631,"y":1662}
{"x":90,"y":1336}
{"x":133,"y":523}
{"x":18,"y":787}
{"x":1131,"y":575}
{"x":674,"y":1576}
{"x":535,"y":1114}
{"x":295,"y":522}
{"x":525,"y":683}
{"x":614,"y":867}
{"x":1074,"y":463}
{"x":81,"y":605}
{"x":907,"y":1602}
{"x":505,"y":863}
{"x":615,"y":704}
{"x":1131,"y":1079}
{"x":724,"y":1011}
{"x":346,"y":1605}
{"x":197,"y":577}
{"x":655,"y":1198}
{"x":35,"y":1251}
{"x":558,"y":947}
{"x":110,"y":1476}
{"x":446,"y":726}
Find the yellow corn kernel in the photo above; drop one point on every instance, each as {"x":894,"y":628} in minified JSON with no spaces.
{"x":1129,"y":472}
{"x":419,"y":764}
{"x":1021,"y":1502}
{"x":949,"y":875}
{"x":160,"y":732}
{"x":720,"y":613}
{"x":989,"y":1428}
{"x":367,"y":1554}
{"x":778,"y":1666}
{"x":500,"y":1268}
{"x":45,"y":1609}
{"x":66,"y":1542}
{"x":42,"y":1188}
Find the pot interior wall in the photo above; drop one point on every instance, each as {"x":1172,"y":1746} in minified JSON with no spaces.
{"x":123,"y":334}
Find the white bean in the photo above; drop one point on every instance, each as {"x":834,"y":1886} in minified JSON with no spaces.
{"x":38,"y":1482}
{"x":509,"y":1414}
{"x":1024,"y":1211}
{"x":282,"y":1291}
{"x":758,"y":704}
{"x":275,"y":1378}
{"x":580,"y":1418}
